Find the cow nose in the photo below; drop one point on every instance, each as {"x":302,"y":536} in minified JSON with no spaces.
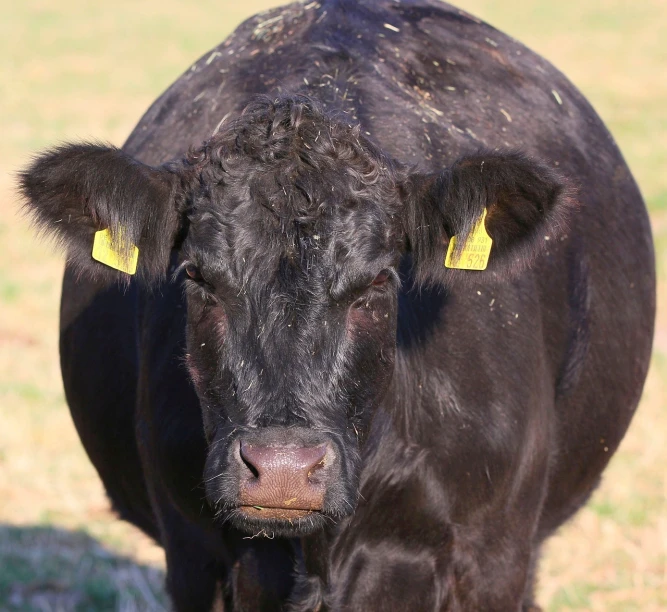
{"x":283,"y":478}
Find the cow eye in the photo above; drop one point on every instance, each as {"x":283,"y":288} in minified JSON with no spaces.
{"x":381,"y":279}
{"x":193,"y":272}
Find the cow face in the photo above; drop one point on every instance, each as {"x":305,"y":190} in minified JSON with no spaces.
{"x":290,"y":227}
{"x":290,"y":265}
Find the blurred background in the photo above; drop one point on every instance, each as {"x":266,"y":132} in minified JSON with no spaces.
{"x":80,"y":69}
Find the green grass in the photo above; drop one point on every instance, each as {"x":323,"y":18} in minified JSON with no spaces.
{"x":657,"y":202}
{"x":77,"y":69}
{"x":575,"y":596}
{"x":9,"y":290}
{"x":635,"y":512}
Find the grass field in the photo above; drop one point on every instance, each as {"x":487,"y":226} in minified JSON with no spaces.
{"x":80,"y":69}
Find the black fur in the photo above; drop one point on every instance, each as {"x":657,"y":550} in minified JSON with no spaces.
{"x":469,"y":414}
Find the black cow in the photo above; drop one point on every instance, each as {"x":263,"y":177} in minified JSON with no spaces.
{"x":297,"y":398}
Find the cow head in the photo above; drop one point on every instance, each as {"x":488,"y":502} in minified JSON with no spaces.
{"x":289,"y":227}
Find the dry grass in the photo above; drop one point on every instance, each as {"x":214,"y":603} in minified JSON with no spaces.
{"x":89,"y":70}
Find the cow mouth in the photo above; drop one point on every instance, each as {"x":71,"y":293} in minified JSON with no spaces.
{"x":279,"y":513}
{"x":278,"y":522}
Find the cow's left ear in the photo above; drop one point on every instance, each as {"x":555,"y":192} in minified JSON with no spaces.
{"x":524,"y":199}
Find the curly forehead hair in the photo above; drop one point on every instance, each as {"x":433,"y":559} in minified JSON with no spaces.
{"x":298,"y":160}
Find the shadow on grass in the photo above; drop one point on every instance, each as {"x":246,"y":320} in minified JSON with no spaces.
{"x":46,"y":568}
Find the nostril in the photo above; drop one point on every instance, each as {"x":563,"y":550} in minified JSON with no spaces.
{"x":251,"y":468}
{"x":312,"y":472}
{"x":244,"y":451}
{"x":317,"y":461}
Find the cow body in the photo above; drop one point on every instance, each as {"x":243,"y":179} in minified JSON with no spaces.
{"x":508,"y":394}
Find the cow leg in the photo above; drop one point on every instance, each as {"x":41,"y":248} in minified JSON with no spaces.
{"x":529,"y":604}
{"x":193,"y":573}
{"x":195,"y":568}
{"x":193,"y":588}
{"x":261,"y":576}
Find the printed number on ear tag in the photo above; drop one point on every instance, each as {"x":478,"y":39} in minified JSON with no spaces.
{"x":475,"y":252}
{"x":111,"y":254}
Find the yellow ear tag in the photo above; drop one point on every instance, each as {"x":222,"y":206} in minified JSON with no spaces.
{"x":475,"y":252}
{"x":108,"y":253}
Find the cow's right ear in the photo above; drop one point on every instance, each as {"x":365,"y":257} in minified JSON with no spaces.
{"x":76,"y":190}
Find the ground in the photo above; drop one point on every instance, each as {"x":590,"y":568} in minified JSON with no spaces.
{"x":89,"y":70}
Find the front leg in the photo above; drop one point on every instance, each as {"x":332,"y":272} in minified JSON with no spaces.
{"x":261,"y":575}
{"x":195,"y":574}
